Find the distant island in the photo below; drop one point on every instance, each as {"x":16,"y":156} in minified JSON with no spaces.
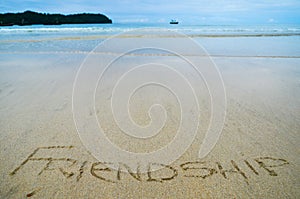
{"x":33,"y":18}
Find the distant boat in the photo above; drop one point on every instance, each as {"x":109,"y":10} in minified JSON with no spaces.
{"x":174,"y":22}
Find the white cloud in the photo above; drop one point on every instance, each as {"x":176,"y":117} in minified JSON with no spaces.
{"x":271,"y":20}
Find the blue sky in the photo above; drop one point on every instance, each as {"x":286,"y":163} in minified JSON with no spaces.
{"x":187,"y":11}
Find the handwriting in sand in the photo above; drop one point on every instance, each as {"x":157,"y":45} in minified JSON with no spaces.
{"x":73,"y":169}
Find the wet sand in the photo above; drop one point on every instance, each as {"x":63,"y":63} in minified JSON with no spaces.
{"x":257,"y":155}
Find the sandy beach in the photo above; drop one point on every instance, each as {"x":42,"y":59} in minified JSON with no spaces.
{"x":256,"y":156}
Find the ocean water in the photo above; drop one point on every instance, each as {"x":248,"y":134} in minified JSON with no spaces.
{"x":219,"y":40}
{"x":106,"y":29}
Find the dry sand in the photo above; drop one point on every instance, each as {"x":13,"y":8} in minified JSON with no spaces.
{"x":257,"y":155}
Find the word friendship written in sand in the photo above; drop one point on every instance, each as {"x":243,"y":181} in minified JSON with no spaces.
{"x":70,"y":168}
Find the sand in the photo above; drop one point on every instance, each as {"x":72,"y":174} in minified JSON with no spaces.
{"x":257,"y":155}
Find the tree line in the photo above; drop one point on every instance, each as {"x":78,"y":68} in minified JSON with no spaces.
{"x":33,"y":18}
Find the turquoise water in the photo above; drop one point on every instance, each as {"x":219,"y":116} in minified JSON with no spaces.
{"x":107,"y":29}
{"x":259,"y":40}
